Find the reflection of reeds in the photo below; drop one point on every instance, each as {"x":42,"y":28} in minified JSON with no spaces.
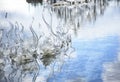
{"x":24,"y":56}
{"x":79,"y":13}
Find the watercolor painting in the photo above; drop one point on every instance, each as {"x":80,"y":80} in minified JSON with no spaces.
{"x":59,"y":40}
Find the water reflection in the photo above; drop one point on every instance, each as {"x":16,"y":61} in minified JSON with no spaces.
{"x":35,"y":2}
{"x":74,"y":15}
{"x":24,"y":55}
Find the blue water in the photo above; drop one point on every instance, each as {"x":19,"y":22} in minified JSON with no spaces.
{"x":96,"y":46}
{"x":90,"y":57}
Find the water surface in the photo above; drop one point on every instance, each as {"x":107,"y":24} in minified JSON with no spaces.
{"x":95,"y":36}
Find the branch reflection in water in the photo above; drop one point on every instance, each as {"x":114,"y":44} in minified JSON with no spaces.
{"x":73,"y":14}
{"x":78,"y":13}
{"x":22,"y":55}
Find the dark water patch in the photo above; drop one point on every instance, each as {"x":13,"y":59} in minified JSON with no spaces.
{"x":35,"y":2}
